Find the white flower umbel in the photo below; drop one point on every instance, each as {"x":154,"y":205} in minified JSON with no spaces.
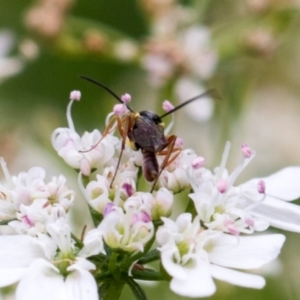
{"x":193,"y":256}
{"x":49,"y":268}
{"x":248,"y":207}
{"x":83,"y":153}
{"x":31,"y":202}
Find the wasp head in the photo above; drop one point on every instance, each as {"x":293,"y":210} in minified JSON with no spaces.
{"x":151,"y":116}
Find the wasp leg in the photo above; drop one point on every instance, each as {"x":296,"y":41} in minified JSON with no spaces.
{"x":128,"y":120}
{"x":106,"y":131}
{"x":167,"y":152}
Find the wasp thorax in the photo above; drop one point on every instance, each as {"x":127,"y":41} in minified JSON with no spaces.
{"x":151,"y":116}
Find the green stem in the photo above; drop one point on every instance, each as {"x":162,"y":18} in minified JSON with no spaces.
{"x":113,"y":290}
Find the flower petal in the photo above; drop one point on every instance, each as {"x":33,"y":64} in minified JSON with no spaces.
{"x":19,"y":251}
{"x":245,"y":252}
{"x":41,"y":281}
{"x":10,"y":276}
{"x":238,"y":278}
{"x":280,"y":214}
{"x":198,"y":283}
{"x":80,"y":284}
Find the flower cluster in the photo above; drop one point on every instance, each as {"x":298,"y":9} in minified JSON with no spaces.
{"x":211,"y":238}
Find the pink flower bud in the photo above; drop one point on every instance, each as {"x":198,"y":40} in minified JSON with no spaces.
{"x":128,"y":189}
{"x":140,"y":217}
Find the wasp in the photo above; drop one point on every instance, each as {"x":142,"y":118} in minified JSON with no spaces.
{"x":145,"y":132}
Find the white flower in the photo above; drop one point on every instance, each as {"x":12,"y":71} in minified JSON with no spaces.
{"x":31,"y":202}
{"x":249,"y":207}
{"x":129,"y":230}
{"x":82,"y":153}
{"x":157,"y":205}
{"x":8,"y":66}
{"x":99,"y":192}
{"x":48,"y":267}
{"x":193,"y":256}
{"x":281,"y":187}
{"x":33,"y":219}
{"x":174,"y":176}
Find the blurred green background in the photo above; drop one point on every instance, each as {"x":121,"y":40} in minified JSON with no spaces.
{"x":255,"y":69}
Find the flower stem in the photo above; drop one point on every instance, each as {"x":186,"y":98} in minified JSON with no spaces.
{"x":112,"y":290}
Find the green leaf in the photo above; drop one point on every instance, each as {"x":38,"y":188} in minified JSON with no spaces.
{"x":137,"y":291}
{"x":153,"y":255}
{"x":146,"y":274}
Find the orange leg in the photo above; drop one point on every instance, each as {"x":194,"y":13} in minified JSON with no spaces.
{"x":124,"y":125}
{"x":106,"y":131}
{"x":128,"y":120}
{"x":167,"y":152}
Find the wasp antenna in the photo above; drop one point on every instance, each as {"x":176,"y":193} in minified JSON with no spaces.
{"x":106,"y":88}
{"x":213,"y":92}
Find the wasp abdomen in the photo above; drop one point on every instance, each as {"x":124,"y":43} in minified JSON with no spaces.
{"x":150,"y":165}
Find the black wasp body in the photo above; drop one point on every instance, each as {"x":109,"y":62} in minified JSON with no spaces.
{"x":148,"y":135}
{"x":145,"y":131}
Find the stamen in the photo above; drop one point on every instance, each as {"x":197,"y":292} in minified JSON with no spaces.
{"x":248,"y":155}
{"x":120,"y":109}
{"x":167,"y":106}
{"x":261,"y":187}
{"x":246,"y":151}
{"x":170,"y":125}
{"x":179,"y":142}
{"x":69,"y":117}
{"x":249,"y":222}
{"x":224,"y":159}
{"x":222,"y":186}
{"x":198,"y":162}
{"x":126,"y":98}
{"x":75,"y":95}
